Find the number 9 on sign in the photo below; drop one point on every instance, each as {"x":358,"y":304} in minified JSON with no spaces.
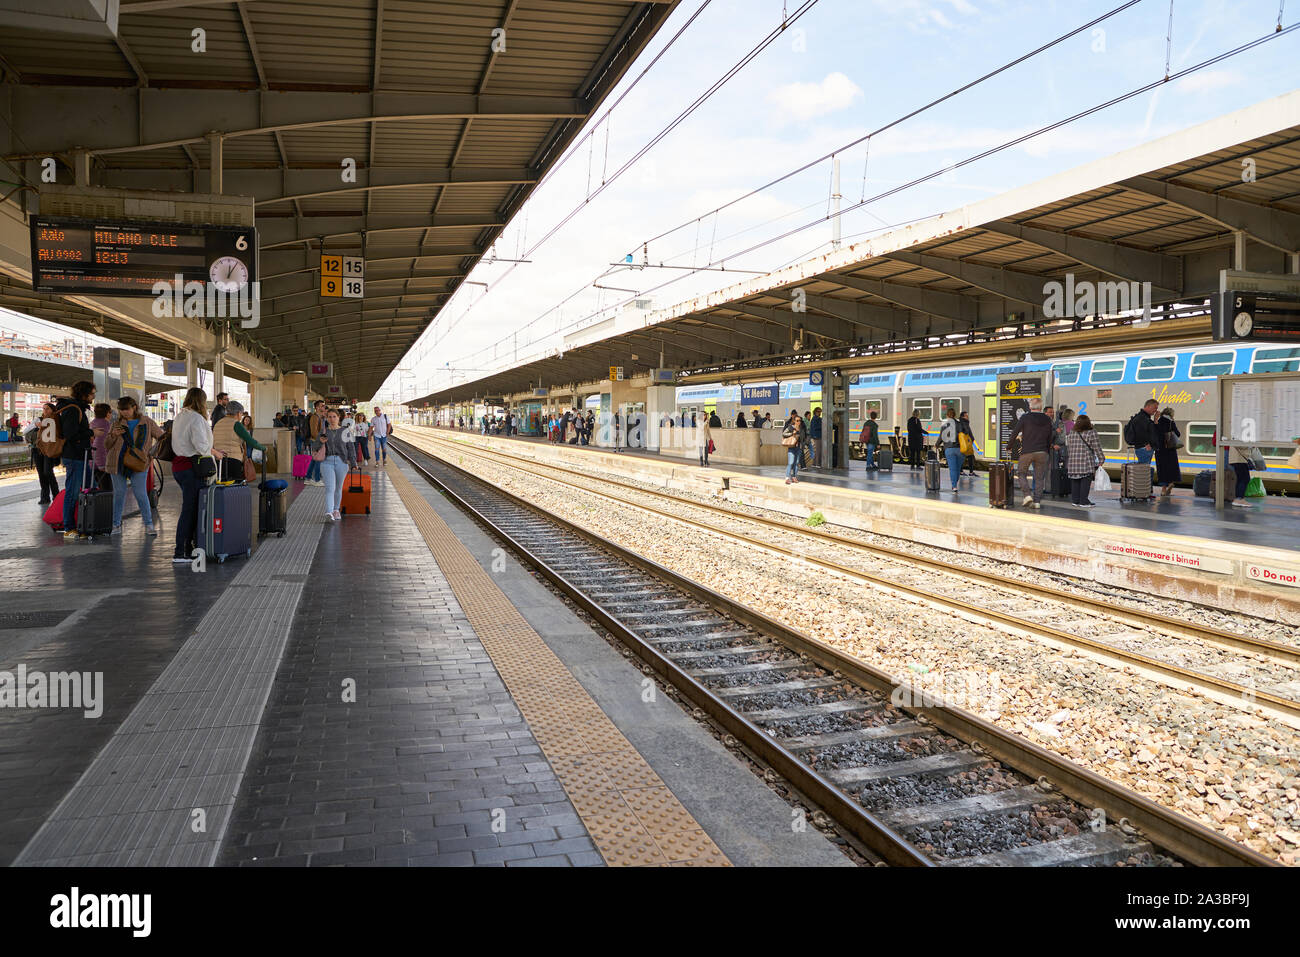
{"x":329,"y":286}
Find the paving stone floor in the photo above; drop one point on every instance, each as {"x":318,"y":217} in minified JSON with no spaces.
{"x":432,"y":763}
{"x":129,"y":611}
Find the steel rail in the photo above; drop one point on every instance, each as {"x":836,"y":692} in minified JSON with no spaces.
{"x":1174,"y":832}
{"x":855,"y":819}
{"x":1133,"y":616}
{"x":1255,"y":697}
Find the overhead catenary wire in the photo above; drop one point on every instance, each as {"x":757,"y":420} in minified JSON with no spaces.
{"x":867,"y":138}
{"x":918,"y":111}
{"x":1008,"y":144}
{"x":522,"y":237}
{"x":655,"y":140}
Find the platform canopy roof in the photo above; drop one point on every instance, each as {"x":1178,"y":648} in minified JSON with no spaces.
{"x":448,"y":135}
{"x":54,"y":374}
{"x":1167,"y":212}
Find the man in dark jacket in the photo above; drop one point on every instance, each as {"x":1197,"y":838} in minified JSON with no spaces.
{"x":219,"y":409}
{"x":1035,"y":431}
{"x":815,"y":436}
{"x":870,"y":438}
{"x":1141,"y":432}
{"x":916,"y":434}
{"x":74,"y":422}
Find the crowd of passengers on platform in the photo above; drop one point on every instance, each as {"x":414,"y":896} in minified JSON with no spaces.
{"x":1055,"y":452}
{"x":1060,"y":452}
{"x":116,"y":448}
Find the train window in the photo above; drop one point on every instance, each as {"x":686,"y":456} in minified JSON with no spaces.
{"x":1210,"y":365}
{"x":1200,"y":438}
{"x":924,"y":408}
{"x":1110,"y":435}
{"x":1276,"y":360}
{"x":873,"y":405}
{"x":855,"y":410}
{"x":1067,"y":373}
{"x":1156,"y":368}
{"x":1107,"y":370}
{"x":945,"y":404}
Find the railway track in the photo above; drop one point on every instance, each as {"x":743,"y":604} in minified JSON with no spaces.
{"x":909,"y":785}
{"x":1189,"y":653}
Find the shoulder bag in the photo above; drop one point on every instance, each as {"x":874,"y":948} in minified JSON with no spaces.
{"x":133,"y":456}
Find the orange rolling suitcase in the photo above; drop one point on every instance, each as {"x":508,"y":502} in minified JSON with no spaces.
{"x":356,"y":494}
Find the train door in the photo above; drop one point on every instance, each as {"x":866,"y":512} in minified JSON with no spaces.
{"x":991,"y":428}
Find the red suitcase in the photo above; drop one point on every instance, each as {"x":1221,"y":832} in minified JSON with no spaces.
{"x":54,"y":514}
{"x":356,"y":494}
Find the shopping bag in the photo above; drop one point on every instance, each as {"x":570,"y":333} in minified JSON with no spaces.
{"x":1255,"y":488}
{"x":1101,"y":481}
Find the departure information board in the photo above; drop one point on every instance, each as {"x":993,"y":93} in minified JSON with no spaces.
{"x":1014,"y":393}
{"x":126,"y":258}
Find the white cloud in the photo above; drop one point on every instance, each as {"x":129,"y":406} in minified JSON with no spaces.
{"x":804,"y":101}
{"x":924,"y":15}
{"x":1208,"y":81}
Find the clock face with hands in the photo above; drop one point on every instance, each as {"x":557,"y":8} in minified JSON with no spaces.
{"x":228,"y":274}
{"x":1242,"y":323}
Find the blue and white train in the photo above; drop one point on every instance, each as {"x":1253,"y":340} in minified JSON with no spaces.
{"x":1107,"y":388}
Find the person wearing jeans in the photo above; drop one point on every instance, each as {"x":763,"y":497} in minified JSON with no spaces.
{"x":74,"y":419}
{"x":335,"y":466}
{"x":1240,"y":461}
{"x":380,"y":428}
{"x":870,"y":438}
{"x":794,"y":428}
{"x":315,"y":425}
{"x":948,"y":433}
{"x":138,"y":431}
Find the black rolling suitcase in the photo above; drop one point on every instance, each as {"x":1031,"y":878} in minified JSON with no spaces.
{"x":94,"y":505}
{"x":1203,"y":484}
{"x":1058,"y":483}
{"x":272,"y":506}
{"x":226,"y":520}
{"x":884,"y":458}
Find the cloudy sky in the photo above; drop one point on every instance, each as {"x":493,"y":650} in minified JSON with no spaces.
{"x":844,"y":69}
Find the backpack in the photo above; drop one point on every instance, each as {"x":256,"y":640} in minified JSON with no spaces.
{"x":302,"y":428}
{"x":163,"y":451}
{"x":1130,"y":431}
{"x":51,"y":439}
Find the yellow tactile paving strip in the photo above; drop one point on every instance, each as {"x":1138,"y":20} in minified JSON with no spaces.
{"x":631,"y":815}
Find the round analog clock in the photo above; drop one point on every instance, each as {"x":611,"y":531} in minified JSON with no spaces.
{"x":228,"y":274}
{"x":1242,"y":323}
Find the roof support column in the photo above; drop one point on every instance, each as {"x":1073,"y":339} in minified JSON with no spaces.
{"x":1239,"y":250}
{"x":214,"y":163}
{"x":81,"y":167}
{"x":191,"y":369}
